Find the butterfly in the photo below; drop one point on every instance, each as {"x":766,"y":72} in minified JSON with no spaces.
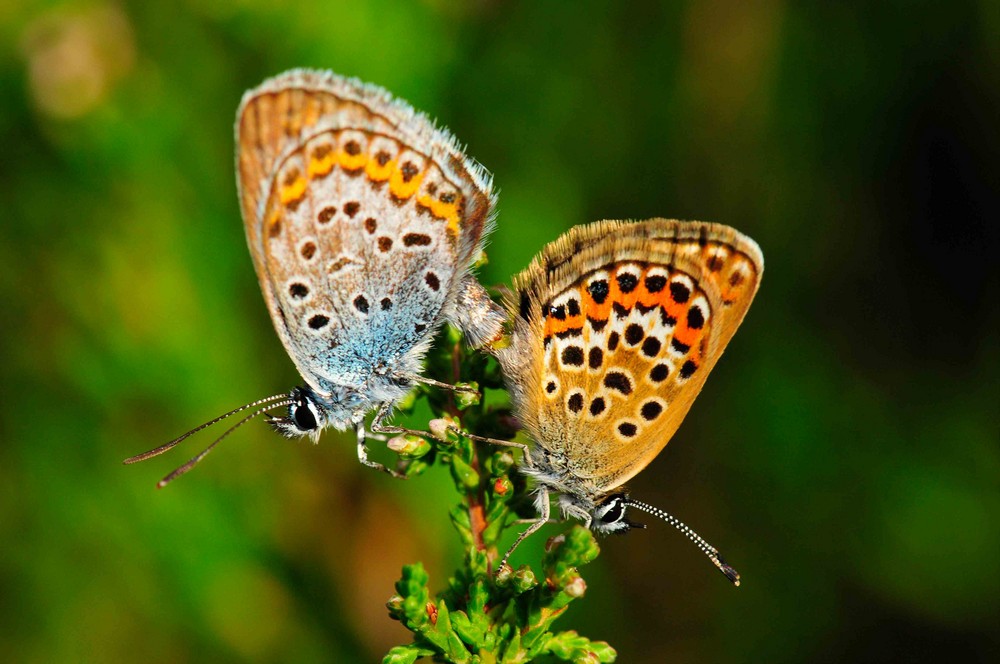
{"x":616,"y":327}
{"x":363,"y":220}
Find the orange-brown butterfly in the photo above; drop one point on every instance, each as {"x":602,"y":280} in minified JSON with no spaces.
{"x":617,"y":326}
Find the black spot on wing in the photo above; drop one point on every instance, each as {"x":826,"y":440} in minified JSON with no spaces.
{"x":616,"y":380}
{"x":651,"y":410}
{"x":598,"y":290}
{"x":695,"y":318}
{"x":679,"y":292}
{"x":633,"y":334}
{"x":416,"y":240}
{"x":572,"y":356}
{"x":627,"y":282}
{"x":326,"y":214}
{"x":627,"y":429}
{"x":655,"y":283}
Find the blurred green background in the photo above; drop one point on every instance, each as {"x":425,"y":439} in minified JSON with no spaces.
{"x":845,"y":455}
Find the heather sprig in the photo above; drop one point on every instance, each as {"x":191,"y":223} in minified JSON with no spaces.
{"x":481,"y":616}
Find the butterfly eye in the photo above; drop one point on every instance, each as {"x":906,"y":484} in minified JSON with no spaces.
{"x":301,"y":412}
{"x":304,"y":419}
{"x":612,"y":511}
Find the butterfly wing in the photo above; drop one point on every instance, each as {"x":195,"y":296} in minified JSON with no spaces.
{"x":617,"y":327}
{"x":362,"y":219}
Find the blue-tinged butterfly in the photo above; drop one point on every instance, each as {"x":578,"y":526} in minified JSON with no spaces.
{"x":363,"y":220}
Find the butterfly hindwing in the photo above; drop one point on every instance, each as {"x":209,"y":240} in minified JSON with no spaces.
{"x":362,"y":218}
{"x":622,"y":323}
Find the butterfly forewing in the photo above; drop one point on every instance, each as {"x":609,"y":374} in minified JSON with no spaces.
{"x":622,"y":324}
{"x":361,"y":217}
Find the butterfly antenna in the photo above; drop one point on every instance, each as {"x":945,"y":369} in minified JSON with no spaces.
{"x":163,"y":448}
{"x":706,"y":548}
{"x":201,"y":455}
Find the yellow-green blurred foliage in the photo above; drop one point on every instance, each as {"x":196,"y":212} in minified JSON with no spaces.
{"x":844,"y":455}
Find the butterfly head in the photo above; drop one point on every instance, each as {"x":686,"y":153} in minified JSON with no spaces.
{"x":611,"y":516}
{"x":306,"y":415}
{"x":310,"y":412}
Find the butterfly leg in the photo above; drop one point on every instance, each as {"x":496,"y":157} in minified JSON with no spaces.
{"x":363,"y":455}
{"x":543,"y":518}
{"x":413,"y":378}
{"x":379,"y":424}
{"x":496,"y":441}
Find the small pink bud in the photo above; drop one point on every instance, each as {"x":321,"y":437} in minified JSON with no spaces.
{"x":409,"y":445}
{"x":397,"y":443}
{"x":576,"y":588}
{"x":440,"y":427}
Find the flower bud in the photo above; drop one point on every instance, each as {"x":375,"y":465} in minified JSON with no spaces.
{"x":504,"y":575}
{"x":409,"y":446}
{"x":502,"y":486}
{"x":441,"y":428}
{"x":524,"y":579}
{"x":576,"y":588}
{"x":468,"y":396}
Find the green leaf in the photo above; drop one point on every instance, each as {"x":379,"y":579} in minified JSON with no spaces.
{"x":417,"y":467}
{"x":406,"y":654}
{"x":513,"y":652}
{"x":466,"y":479}
{"x":604,"y":652}
{"x":460,"y":519}
{"x":471,"y":634}
{"x":479,"y":595}
{"x":478,"y":563}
